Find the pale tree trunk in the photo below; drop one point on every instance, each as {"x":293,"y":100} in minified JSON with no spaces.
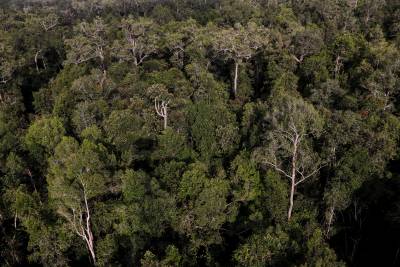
{"x":80,"y":221}
{"x":330,"y":219}
{"x":36,"y":60}
{"x":89,"y":235}
{"x":293,"y":179}
{"x":291,"y":202}
{"x":15,"y":220}
{"x":166,"y":119}
{"x":162,"y":111}
{"x":235,"y":79}
{"x":337,"y":65}
{"x":295,"y":172}
{"x":103,"y":79}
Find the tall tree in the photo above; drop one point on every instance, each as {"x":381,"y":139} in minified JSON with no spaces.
{"x":90,"y":42}
{"x":239,"y":44}
{"x":77,"y":175}
{"x":139,"y":40}
{"x":289,"y":148}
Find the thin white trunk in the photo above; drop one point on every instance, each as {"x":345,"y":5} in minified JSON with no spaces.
{"x":293,"y":178}
{"x":291,"y":202}
{"x":330,"y":219}
{"x":88,"y":231}
{"x":80,"y":221}
{"x":162,"y":111}
{"x":166,"y":119}
{"x":235,"y":80}
{"x":103,"y":79}
{"x":15,"y":220}
{"x":36,"y":60}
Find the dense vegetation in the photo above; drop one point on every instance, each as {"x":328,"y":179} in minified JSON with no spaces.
{"x":199,"y":133}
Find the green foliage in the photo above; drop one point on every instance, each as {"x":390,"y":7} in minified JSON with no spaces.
{"x":43,"y":136}
{"x":255,"y":95}
{"x":75,"y":168}
{"x":213,"y":129}
{"x":205,"y":206}
{"x":149,"y":208}
{"x":264,"y":249}
{"x":276,"y":196}
{"x":246,"y":180}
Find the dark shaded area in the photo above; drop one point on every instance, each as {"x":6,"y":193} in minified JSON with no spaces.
{"x":370,"y":229}
{"x":33,"y":79}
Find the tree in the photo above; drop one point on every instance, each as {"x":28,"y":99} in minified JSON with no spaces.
{"x":49,"y":22}
{"x":289,"y":145}
{"x":124,"y":130}
{"x":306,"y":42}
{"x":162,"y":100}
{"x":140,"y":40}
{"x":6,"y":67}
{"x":213,"y":129}
{"x":148,"y":211}
{"x":379,"y":75}
{"x":180,"y":36}
{"x":355,"y":159}
{"x":89,"y":43}
{"x":162,"y":110}
{"x":9,"y":61}
{"x":205,"y":207}
{"x":239,"y":44}
{"x":345,"y":47}
{"x":43,"y":136}
{"x":268,"y":248}
{"x":77,"y":175}
{"x":43,"y":40}
{"x":199,"y":133}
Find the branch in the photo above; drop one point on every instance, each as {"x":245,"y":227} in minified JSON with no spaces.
{"x":161,"y":108}
{"x":292,"y":126}
{"x":3,"y":80}
{"x":74,"y":224}
{"x":309,"y":175}
{"x":142,"y":58}
{"x":157,"y":107}
{"x":287,"y":135}
{"x":48,"y":27}
{"x":87,"y":212}
{"x":278,"y":169}
{"x":298,"y":60}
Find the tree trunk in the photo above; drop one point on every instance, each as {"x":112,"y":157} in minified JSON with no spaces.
{"x":166,"y":119}
{"x":330,"y":219}
{"x":337,"y":65}
{"x":292,"y":189}
{"x":92,"y":253}
{"x":162,"y":111}
{"x":36,"y":60}
{"x":87,"y":233}
{"x":235,"y":80}
{"x":293,"y":179}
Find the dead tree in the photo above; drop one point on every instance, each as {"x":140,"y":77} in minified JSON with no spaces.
{"x":161,"y":108}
